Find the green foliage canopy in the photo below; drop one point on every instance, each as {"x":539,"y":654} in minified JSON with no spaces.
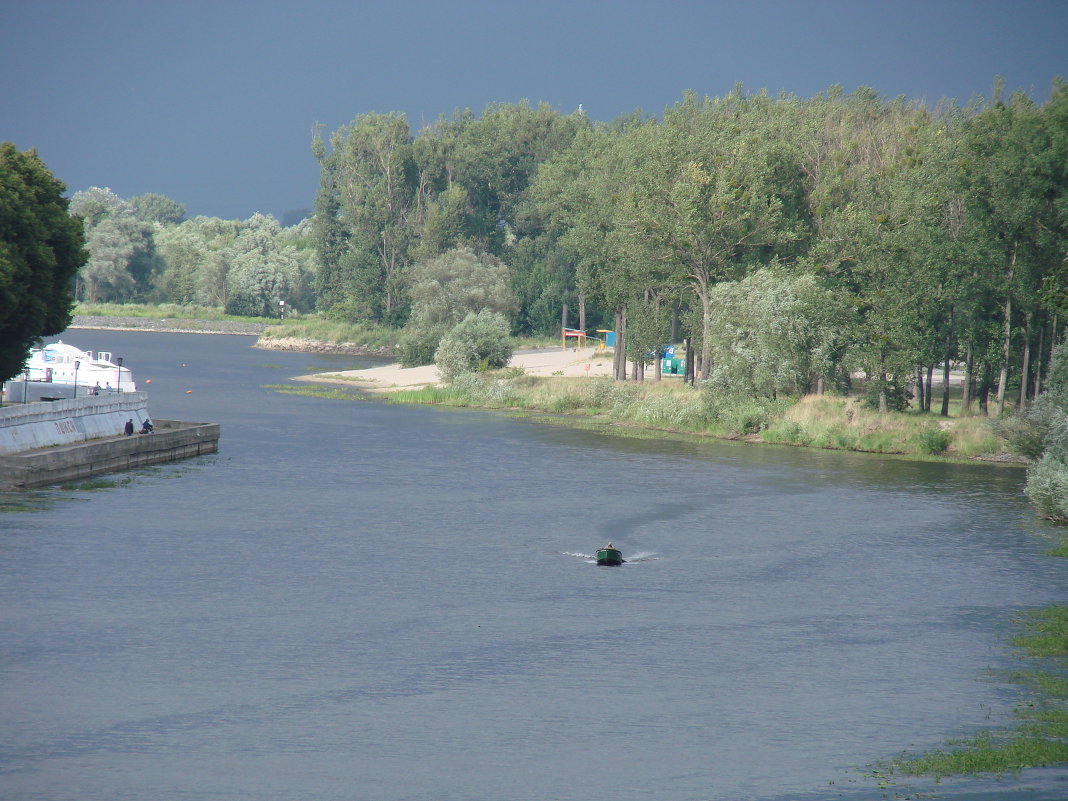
{"x":41,"y":250}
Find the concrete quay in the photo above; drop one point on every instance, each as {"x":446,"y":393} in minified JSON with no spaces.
{"x":172,"y":440}
{"x":71,"y":439}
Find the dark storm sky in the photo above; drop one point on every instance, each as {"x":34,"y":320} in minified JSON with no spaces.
{"x":212,"y":103}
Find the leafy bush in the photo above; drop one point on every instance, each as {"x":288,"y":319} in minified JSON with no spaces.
{"x":566,"y":403}
{"x":736,"y":414}
{"x":479,"y":339}
{"x":1047,"y":488}
{"x":1024,"y":433}
{"x":787,"y":432}
{"x":484,"y":390}
{"x":601,"y":393}
{"x":934,"y":440}
{"x":419,"y":345}
{"x":1047,"y":480}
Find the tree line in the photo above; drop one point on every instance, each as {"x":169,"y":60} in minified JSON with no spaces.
{"x":792,"y":243}
{"x":143,"y":249}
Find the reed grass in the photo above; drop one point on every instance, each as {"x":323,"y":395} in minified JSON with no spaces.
{"x":825,"y":421}
{"x":818,"y":421}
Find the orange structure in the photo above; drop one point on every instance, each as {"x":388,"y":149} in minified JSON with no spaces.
{"x":578,"y":334}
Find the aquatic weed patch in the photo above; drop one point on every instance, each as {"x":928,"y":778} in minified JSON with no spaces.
{"x":315,"y":391}
{"x":25,"y":501}
{"x":988,"y":752}
{"x":97,"y":484}
{"x":1040,"y":736}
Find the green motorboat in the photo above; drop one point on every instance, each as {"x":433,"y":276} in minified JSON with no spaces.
{"x":610,"y":556}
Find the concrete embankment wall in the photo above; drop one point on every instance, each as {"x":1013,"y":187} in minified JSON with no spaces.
{"x":25,"y":426}
{"x":172,"y":440}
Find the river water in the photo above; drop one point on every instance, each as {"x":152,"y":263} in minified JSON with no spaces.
{"x":356,"y":600}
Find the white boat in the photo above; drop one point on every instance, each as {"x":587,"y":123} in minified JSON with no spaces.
{"x":59,"y":363}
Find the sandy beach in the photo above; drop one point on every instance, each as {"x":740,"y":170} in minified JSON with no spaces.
{"x":544,"y":362}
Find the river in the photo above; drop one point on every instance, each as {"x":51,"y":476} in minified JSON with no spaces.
{"x":357,"y":600}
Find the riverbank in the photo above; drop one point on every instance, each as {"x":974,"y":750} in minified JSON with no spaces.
{"x":577,"y":383}
{"x":168,"y":325}
{"x":165,"y":325}
{"x":545,"y":363}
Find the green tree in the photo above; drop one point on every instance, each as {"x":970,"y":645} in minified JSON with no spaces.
{"x":705,"y":195}
{"x":579,"y":193}
{"x":330,"y":236}
{"x":445,"y":289}
{"x":265,"y":271}
{"x":41,"y":250}
{"x":371,"y":186}
{"x":774,"y":334}
{"x":494,"y":157}
{"x":184,"y":255}
{"x":157,"y":208}
{"x":1004,"y":148}
{"x":876,"y":215}
{"x":122,"y":259}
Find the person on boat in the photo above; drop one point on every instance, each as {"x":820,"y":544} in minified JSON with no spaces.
{"x":610,"y":547}
{"x":146,"y":427}
{"x":129,"y":427}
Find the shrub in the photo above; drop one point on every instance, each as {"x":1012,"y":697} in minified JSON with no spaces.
{"x":479,"y":339}
{"x":1047,"y":488}
{"x":787,"y":432}
{"x":599,"y":393}
{"x":1025,"y":433}
{"x":735,"y":414}
{"x":484,"y":390}
{"x":934,"y":440}
{"x":420,"y":344}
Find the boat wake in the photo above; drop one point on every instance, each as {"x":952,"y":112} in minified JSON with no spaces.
{"x":589,"y":557}
{"x":641,"y":556}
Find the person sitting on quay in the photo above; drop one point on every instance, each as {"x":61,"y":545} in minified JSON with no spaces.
{"x":147,"y":427}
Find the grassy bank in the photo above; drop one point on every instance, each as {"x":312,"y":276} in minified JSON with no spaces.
{"x":323,"y":331}
{"x":169,"y":311}
{"x":330,"y":332}
{"x":816,"y":421}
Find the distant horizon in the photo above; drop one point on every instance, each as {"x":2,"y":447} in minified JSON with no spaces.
{"x":213,"y":103}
